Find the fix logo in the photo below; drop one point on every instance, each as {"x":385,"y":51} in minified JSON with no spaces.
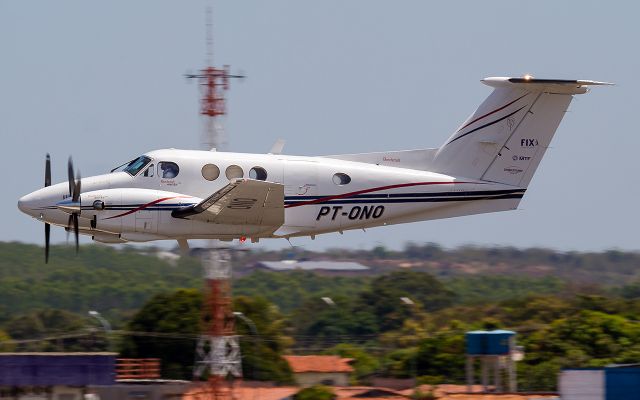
{"x":356,"y":212}
{"x":528,"y":142}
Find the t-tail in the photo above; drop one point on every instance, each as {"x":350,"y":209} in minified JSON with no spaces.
{"x":504,"y":140}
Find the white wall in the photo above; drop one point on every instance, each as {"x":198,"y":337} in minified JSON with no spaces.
{"x":314,"y":378}
{"x":582,"y":385}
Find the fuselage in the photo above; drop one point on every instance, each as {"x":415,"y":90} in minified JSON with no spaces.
{"x":321,"y":195}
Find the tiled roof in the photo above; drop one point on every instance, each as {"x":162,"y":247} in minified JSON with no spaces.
{"x":368,"y":393}
{"x":442,"y":392}
{"x":242,"y":393}
{"x":459,"y":392}
{"x":319,"y":364}
{"x":288,"y":265}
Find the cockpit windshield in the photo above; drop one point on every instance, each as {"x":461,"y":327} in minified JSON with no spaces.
{"x":133,"y":166}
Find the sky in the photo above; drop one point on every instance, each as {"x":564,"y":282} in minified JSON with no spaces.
{"x":104,"y":82}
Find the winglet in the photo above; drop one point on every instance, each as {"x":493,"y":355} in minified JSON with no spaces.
{"x":277,"y":147}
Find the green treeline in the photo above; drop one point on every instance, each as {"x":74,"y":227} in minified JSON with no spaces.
{"x":405,"y":319}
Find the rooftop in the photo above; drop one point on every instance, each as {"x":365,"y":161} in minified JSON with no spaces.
{"x":300,"y":364}
{"x":58,"y":354}
{"x":288,"y":265}
{"x":442,"y":392}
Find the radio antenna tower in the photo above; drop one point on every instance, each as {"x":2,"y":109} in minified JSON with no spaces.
{"x":214,"y":82}
{"x":218,"y":362}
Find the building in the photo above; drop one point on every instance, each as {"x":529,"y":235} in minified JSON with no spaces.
{"x":139,"y":378}
{"x":320,"y":370}
{"x":287,"y":392}
{"x":151,"y":389}
{"x":54,"y":376}
{"x":615,"y":382}
{"x":324,"y":267}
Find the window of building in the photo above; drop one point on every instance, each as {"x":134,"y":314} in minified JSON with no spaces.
{"x":258,"y":173}
{"x":210,"y":172}
{"x":233,"y":172}
{"x":168,"y":170}
{"x":341,"y":179}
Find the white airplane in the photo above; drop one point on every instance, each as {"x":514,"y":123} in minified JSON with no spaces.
{"x":485,"y":166}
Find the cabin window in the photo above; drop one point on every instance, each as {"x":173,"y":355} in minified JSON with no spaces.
{"x":258,"y":173}
{"x":210,"y":172}
{"x":341,"y":179}
{"x":168,"y":170}
{"x":149,"y":171}
{"x":233,"y":172}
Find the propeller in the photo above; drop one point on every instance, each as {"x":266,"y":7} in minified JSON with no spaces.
{"x":74,"y":193}
{"x":47,"y":226}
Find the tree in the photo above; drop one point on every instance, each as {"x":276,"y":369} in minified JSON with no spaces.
{"x":4,"y":345}
{"x":58,"y":330}
{"x":364,"y":363}
{"x":290,"y":289}
{"x":441,"y":355}
{"x":602,"y":337}
{"x":383,"y":299}
{"x":262,"y":350}
{"x":177,"y":313}
{"x":316,"y":392}
{"x":322,"y":324}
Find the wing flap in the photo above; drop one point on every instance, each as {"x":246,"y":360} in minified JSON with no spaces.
{"x":241,"y":202}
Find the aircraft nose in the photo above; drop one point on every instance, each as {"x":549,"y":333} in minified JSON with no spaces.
{"x":25,"y":204}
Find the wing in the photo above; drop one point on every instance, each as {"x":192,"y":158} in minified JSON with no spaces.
{"x":241,"y":202}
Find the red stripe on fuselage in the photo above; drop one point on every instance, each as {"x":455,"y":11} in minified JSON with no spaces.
{"x":492,"y":112}
{"x":345,"y":195}
{"x":142,"y":207}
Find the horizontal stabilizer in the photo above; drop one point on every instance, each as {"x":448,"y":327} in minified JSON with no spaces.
{"x":531,"y":84}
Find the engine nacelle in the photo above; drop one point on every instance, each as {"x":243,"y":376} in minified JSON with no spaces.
{"x":130,"y":210}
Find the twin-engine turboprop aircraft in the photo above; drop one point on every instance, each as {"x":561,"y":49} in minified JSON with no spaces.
{"x":485,"y":166}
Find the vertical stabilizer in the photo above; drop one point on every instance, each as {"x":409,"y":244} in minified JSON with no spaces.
{"x":505,"y":139}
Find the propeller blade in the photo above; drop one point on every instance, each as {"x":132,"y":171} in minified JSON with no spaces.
{"x":69,"y":224}
{"x":76,"y":188}
{"x":76,"y":231}
{"x":70,"y":176}
{"x":47,"y":233}
{"x":47,"y":171}
{"x":74,"y":192}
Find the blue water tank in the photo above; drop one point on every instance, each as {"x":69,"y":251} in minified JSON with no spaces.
{"x":489,"y":343}
{"x":499,"y":342}
{"x":476,"y":343}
